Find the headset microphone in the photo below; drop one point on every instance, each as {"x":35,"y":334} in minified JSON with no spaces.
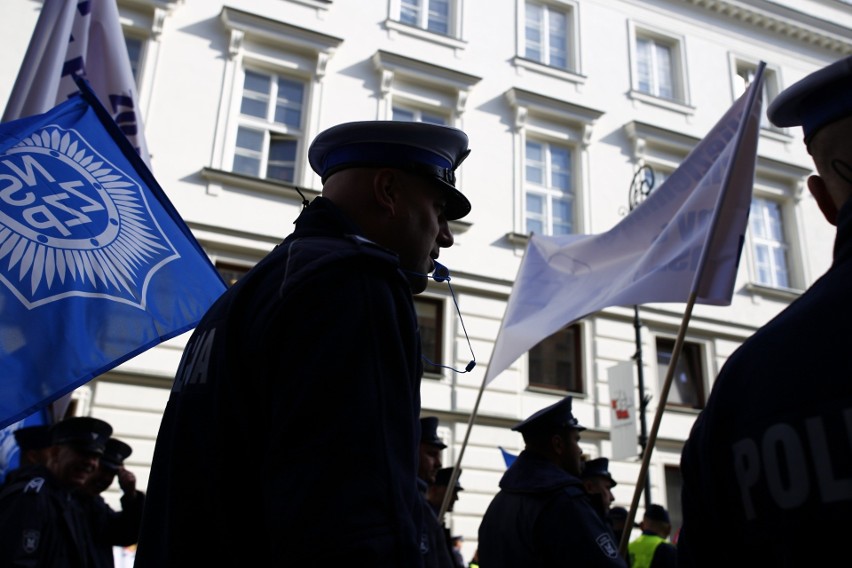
{"x":441,"y":273}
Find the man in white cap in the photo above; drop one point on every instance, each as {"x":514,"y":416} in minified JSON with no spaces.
{"x":767,"y":468}
{"x":309,"y":368}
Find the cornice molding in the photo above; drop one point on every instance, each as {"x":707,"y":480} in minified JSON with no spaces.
{"x":783,"y":21}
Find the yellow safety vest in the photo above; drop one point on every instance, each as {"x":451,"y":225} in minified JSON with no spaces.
{"x":642,"y":550}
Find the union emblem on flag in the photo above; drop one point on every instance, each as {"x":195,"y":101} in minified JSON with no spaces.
{"x":74,"y":224}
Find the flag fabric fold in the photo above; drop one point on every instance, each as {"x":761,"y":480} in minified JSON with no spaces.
{"x":96,"y":266}
{"x":508,"y":457}
{"x":79,"y":38}
{"x":685,"y":237}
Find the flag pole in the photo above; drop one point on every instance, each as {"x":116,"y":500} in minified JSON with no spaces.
{"x":755,"y":92}
{"x":658,"y":417}
{"x":455,"y":474}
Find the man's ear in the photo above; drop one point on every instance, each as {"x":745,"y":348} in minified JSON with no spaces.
{"x":826,"y":204}
{"x":385,"y":184}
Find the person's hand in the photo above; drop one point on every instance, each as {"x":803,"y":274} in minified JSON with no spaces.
{"x":127,"y":482}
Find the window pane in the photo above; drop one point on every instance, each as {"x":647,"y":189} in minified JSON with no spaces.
{"x":282,"y":159}
{"x":687,"y":387}
{"x":558,"y":29}
{"x":402,"y":114}
{"x":433,"y":119}
{"x":555,"y":362}
{"x":134,"y":52}
{"x":256,"y":90}
{"x":439,"y":16}
{"x":643,"y":65}
{"x":288,"y":107}
{"x":533,"y":32}
{"x":665,"y":87}
{"x":560,"y":167}
{"x":430,"y":321}
{"x":409,"y":12}
{"x":249,"y":152}
{"x":535,"y":163}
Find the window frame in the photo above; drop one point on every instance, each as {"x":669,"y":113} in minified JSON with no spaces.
{"x":416,"y":85}
{"x":538,"y":117}
{"x":271,"y":46}
{"x":771,"y":87}
{"x":455,"y":29}
{"x":680,"y":100}
{"x":576,"y":384}
{"x":437,"y":352}
{"x":694,"y":354}
{"x":547,"y":190}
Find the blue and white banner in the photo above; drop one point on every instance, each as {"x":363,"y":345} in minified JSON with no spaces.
{"x":96,"y":265}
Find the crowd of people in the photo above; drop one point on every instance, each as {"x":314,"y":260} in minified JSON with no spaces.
{"x":52,"y":509}
{"x":313,"y":360}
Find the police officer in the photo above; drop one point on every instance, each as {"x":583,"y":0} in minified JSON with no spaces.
{"x":33,"y":443}
{"x":542,"y":515}
{"x":598,"y":482}
{"x":109,"y":527}
{"x":433,"y":544}
{"x":41,"y":520}
{"x":652,"y":549}
{"x":767,"y":468}
{"x":313,"y":360}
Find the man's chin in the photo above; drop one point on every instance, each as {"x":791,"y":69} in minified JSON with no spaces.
{"x":416,"y":282}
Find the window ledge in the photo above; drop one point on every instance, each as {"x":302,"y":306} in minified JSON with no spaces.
{"x":535,"y":66}
{"x":414,"y":31}
{"x":676,"y":106}
{"x":259,"y":185}
{"x":785,"y":294}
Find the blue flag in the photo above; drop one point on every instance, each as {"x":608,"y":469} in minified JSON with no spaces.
{"x":96,"y":265}
{"x":508,"y":458}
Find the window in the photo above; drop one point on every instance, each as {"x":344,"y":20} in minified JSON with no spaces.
{"x":674,"y":484}
{"x":551,"y":136}
{"x":549,"y":198}
{"x":417,"y":115}
{"x":654,"y":68}
{"x":270,"y":130}
{"x":769,"y":247}
{"x":659,"y":72}
{"x":687,"y":388}
{"x":556,"y":362}
{"x":134,"y":52}
{"x":417,"y":91}
{"x":273,"y":71}
{"x":230,"y":273}
{"x":546,"y":34}
{"x":432,"y":15}
{"x":431,"y":321}
{"x":744,"y":74}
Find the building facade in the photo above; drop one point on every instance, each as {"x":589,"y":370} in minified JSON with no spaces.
{"x":564,"y":101}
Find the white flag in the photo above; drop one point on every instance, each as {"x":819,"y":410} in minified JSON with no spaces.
{"x":686,"y":236}
{"x":78,"y":37}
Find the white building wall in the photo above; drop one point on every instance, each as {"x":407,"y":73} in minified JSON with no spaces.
{"x":189,"y":85}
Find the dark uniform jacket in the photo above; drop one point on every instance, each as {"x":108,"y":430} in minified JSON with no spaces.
{"x":113,"y":528}
{"x":42,"y":525}
{"x":543,"y":517}
{"x":292,"y":430}
{"x":767,"y":468}
{"x":433,"y":541}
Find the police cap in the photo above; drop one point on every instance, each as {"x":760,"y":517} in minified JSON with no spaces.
{"x":33,"y":437}
{"x":427,"y":150}
{"x":442,"y":478}
{"x":550,"y":419}
{"x":819,"y":99}
{"x":598,"y":468}
{"x":115,"y":453}
{"x":429,"y":432}
{"x":82,"y":432}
